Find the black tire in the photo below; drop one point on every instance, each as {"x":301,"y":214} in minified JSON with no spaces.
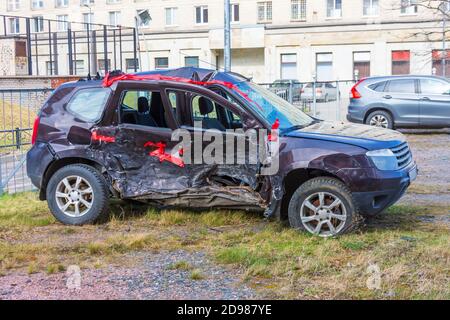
{"x":385,"y":114}
{"x":329,"y":186}
{"x":99,"y":209}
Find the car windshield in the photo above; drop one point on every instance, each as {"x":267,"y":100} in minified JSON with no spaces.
{"x":271,"y":107}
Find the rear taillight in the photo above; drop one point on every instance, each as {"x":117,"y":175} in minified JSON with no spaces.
{"x":35,"y":130}
{"x":354,"y":93}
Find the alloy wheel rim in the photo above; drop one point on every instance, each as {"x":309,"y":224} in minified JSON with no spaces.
{"x":379,"y":121}
{"x":74,"y":196}
{"x":323,"y":214}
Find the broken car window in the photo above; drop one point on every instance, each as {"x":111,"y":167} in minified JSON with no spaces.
{"x":89,"y":104}
{"x":143,"y":107}
{"x":272,"y":108}
{"x":213,"y":115}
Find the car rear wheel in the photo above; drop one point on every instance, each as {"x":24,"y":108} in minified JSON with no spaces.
{"x":380,"y":119}
{"x":77,"y":195}
{"x":324,"y":207}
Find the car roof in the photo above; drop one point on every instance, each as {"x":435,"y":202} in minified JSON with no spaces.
{"x":170,"y":76}
{"x":410,"y":76}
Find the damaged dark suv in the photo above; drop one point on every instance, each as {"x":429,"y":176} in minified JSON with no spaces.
{"x":97,"y":139}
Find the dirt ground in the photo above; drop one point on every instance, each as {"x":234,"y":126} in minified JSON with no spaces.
{"x":233,"y":255}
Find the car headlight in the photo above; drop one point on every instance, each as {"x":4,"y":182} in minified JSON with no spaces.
{"x":383,"y":159}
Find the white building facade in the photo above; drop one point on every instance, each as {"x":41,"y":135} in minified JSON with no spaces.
{"x":290,"y":39}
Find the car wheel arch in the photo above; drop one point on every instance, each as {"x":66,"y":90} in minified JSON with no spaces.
{"x":57,"y":164}
{"x":378,"y":108}
{"x":295,"y":178}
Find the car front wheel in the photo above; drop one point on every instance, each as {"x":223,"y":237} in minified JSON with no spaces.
{"x":324,"y":207}
{"x":77,"y":195}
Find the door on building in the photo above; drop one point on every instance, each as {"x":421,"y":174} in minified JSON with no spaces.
{"x":434,"y":102}
{"x":401,"y":62}
{"x":324,"y":67}
{"x":361,"y":64}
{"x":289,"y":66}
{"x":438,"y":69}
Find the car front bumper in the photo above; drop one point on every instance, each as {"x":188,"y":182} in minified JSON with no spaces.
{"x":392,"y":186}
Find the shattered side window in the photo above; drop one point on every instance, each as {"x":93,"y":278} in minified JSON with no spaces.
{"x":88,"y":104}
{"x":176,"y":99}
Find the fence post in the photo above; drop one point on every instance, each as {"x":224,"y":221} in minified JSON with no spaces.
{"x":290,"y":96}
{"x":69,"y":49}
{"x":338,"y":99}
{"x":314,"y":98}
{"x":18,"y":138}
{"x":30,"y":61}
{"x":105,"y":49}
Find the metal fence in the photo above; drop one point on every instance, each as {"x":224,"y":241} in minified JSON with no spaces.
{"x":60,"y":47}
{"x":325,"y":100}
{"x":18,"y":109}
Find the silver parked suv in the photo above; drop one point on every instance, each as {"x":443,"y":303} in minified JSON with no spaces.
{"x":401,"y":101}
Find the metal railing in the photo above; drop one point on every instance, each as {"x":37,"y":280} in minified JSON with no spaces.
{"x":326,"y":100}
{"x":57,"y":47}
{"x":18,"y":109}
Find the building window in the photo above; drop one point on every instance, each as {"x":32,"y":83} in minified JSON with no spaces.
{"x":61,"y":3}
{"x":171,"y":16}
{"x":334,"y":8}
{"x":86,"y":2}
{"x":191,"y":62}
{"x":371,"y":8}
{"x":50,"y":68}
{"x":37,"y":4}
{"x":438,"y":56}
{"x":201,"y":14}
{"x":88,"y":18}
{"x":408,"y":6}
{"x":235,"y":12}
{"x":401,"y":62}
{"x":114,"y":18}
{"x":361,"y":65}
{"x":132,"y":65}
{"x":14,"y":25}
{"x":324,"y":67}
{"x":38,"y":24}
{"x":298,"y":10}
{"x":79,"y":67}
{"x":102,"y":67}
{"x":113,"y":1}
{"x":161,"y":63}
{"x":265,"y":11}
{"x":62,"y":22}
{"x":143,"y":22}
{"x":289,"y":66}
{"x":13,"y":5}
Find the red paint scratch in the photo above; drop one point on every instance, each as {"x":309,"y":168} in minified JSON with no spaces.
{"x":160,"y":153}
{"x":98,"y":137}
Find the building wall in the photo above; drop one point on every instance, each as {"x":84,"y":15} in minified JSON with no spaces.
{"x":257,"y":47}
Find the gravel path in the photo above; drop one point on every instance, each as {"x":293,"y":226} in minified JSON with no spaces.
{"x":153,"y":279}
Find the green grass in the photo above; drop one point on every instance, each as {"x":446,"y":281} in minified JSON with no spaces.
{"x":413,"y":257}
{"x":180,"y":265}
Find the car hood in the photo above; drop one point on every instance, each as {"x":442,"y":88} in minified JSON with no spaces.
{"x":367,"y":137}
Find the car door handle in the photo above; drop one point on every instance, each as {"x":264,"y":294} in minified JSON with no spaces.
{"x":426,"y":98}
{"x":387,"y":97}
